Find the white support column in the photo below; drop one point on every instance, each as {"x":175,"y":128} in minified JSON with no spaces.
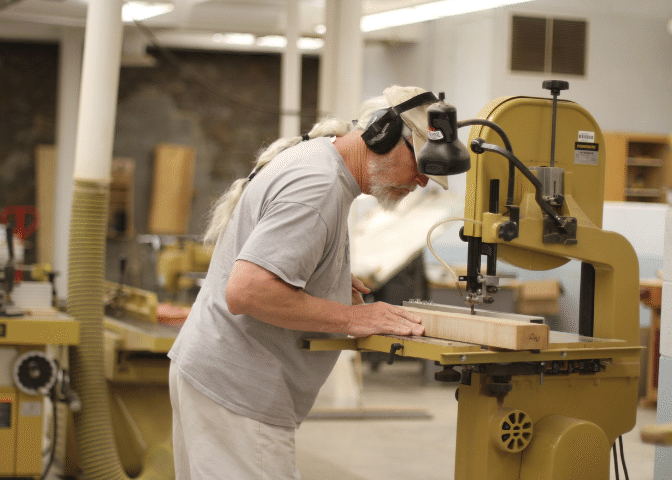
{"x":98,"y":97}
{"x":69,"y":78}
{"x":663,"y":459}
{"x":290,"y":83}
{"x":342,"y":61}
{"x":340,"y":91}
{"x":326,"y":81}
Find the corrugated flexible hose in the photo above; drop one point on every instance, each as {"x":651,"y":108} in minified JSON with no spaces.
{"x":98,"y":454}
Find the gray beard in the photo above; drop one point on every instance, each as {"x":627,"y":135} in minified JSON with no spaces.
{"x":381,"y":190}
{"x":384,"y":195}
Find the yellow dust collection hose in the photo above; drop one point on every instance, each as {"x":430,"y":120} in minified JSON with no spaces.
{"x":97,"y":449}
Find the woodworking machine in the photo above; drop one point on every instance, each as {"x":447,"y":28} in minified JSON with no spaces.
{"x":37,"y":431}
{"x":550,"y":413}
{"x":179,"y":264}
{"x":34,"y":378}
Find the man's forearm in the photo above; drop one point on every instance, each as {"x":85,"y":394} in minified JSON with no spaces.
{"x":254,"y":291}
{"x":257,"y":292}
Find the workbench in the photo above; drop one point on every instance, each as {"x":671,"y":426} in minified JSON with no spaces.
{"x":136,"y":367}
{"x":135,"y":350}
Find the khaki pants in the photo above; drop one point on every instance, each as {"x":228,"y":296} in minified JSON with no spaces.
{"x":212,"y":442}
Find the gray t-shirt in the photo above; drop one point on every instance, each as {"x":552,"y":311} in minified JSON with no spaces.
{"x":292,"y":221}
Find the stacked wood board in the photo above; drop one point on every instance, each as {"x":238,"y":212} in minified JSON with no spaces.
{"x":172,"y":189}
{"x":484,"y":328}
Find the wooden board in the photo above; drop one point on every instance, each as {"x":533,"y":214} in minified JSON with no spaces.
{"x":482,"y":330}
{"x":657,"y":434}
{"x":172,"y":189}
{"x":45,"y":169}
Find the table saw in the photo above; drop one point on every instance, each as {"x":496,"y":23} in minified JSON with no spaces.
{"x":547,"y":413}
{"x":37,"y":405}
{"x":33,"y":352}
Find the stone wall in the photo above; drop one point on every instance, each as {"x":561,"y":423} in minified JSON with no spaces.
{"x":224,"y":105}
{"x":27,"y":119}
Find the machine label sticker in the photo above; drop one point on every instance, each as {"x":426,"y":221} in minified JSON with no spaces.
{"x":586,"y":153}
{"x":586,"y":136}
{"x":5,"y":414}
{"x":3,"y":330}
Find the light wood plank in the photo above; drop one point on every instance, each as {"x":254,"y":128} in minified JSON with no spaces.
{"x":482,"y":330}
{"x":172,"y":189}
{"x":45,"y":169}
{"x":657,"y":434}
{"x":616,"y":170}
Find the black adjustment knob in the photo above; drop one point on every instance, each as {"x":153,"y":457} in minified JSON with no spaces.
{"x":508,"y":231}
{"x":498,"y":388}
{"x":477,"y":145}
{"x":393,"y":351}
{"x":555,"y":86}
{"x":448,"y":374}
{"x":462,"y":236}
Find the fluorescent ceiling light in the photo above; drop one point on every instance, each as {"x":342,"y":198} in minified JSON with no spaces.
{"x":132,"y":11}
{"x":309,"y":43}
{"x":428,"y":11}
{"x":275,"y":41}
{"x":268,"y":41}
{"x":234,"y":38}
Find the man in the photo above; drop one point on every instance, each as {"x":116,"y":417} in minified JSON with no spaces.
{"x":240,"y":384}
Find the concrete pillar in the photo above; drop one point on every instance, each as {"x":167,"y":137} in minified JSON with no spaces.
{"x":342,"y":66}
{"x":98,"y":96}
{"x":290,"y":82}
{"x":69,"y":78}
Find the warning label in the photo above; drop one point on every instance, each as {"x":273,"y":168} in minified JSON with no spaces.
{"x":586,"y":153}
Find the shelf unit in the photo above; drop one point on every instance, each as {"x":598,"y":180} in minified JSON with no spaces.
{"x":639,"y":167}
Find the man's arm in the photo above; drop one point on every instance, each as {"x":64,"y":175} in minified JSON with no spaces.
{"x":255,"y":291}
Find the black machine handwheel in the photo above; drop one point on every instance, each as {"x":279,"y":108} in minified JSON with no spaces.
{"x":35,"y":373}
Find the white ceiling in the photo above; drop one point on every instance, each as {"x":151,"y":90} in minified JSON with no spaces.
{"x":46,"y":18}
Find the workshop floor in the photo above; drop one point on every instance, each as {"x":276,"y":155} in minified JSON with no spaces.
{"x":413,"y":449}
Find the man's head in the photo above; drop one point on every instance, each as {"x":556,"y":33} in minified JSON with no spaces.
{"x":396,"y":134}
{"x":394,"y":175}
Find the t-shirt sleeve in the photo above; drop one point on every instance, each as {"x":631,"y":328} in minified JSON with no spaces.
{"x":289,"y":241}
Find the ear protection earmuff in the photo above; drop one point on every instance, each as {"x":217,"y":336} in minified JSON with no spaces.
{"x":384,"y":129}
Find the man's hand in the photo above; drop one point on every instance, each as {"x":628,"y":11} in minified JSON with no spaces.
{"x":357,"y":289}
{"x":383,"y":318}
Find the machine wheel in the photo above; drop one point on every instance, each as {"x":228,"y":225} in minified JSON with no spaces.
{"x":510,"y":430}
{"x":34,"y":373}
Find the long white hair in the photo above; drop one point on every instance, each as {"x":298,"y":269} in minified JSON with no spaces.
{"x":226,"y":203}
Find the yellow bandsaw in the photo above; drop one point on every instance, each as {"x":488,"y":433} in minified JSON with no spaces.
{"x":550,"y":413}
